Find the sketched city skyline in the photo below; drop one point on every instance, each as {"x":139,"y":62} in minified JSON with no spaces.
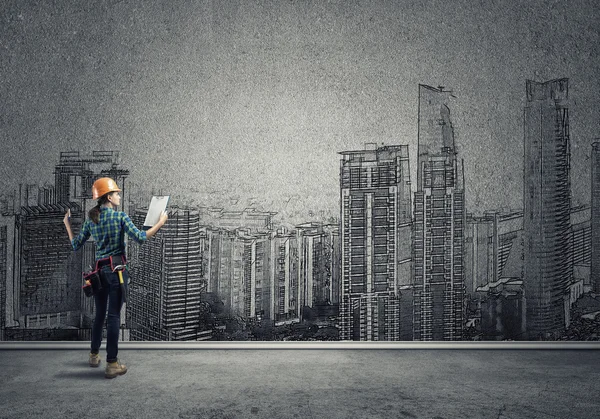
{"x":265,"y":285}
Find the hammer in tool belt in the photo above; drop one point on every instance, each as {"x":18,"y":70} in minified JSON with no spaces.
{"x":119,"y":269}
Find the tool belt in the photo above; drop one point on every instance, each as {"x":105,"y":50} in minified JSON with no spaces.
{"x":93,"y":281}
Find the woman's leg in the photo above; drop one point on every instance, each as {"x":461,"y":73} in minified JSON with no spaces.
{"x":114,"y":317}
{"x":100,"y":300}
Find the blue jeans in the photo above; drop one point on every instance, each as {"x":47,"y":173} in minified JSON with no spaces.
{"x":110,"y":295}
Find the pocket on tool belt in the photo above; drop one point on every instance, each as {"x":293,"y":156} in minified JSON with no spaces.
{"x":92,"y":283}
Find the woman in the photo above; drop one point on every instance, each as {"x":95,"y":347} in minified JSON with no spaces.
{"x":107,"y":227}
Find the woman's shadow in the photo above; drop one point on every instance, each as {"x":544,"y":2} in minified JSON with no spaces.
{"x":83,"y":373}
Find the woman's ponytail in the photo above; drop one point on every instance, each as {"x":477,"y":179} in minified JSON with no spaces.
{"x":94,"y":213}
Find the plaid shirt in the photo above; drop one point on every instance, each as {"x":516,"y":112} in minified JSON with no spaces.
{"x":109,"y":233}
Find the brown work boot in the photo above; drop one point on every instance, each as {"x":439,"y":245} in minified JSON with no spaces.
{"x":114,"y":368}
{"x":94,"y":360}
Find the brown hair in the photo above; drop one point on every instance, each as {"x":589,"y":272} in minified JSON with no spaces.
{"x":94,"y":213}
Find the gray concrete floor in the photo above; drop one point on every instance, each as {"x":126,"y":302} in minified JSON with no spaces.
{"x":293,"y":383}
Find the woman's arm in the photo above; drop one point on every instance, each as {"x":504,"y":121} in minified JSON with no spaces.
{"x":161,"y":222}
{"x":81,"y":238}
{"x":139,"y":235}
{"x":67,"y":221}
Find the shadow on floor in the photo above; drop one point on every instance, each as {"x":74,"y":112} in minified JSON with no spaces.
{"x":86,"y":374}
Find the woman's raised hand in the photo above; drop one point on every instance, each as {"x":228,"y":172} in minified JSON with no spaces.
{"x":67,"y":219}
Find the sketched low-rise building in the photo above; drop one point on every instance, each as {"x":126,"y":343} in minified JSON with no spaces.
{"x":494,"y":273}
{"x":167,"y":280}
{"x":493,"y":248}
{"x":503,"y":310}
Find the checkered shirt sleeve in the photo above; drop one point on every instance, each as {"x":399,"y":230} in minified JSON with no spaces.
{"x":131,"y":230}
{"x":83,"y":235}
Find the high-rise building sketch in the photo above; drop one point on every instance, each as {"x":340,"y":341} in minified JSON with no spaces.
{"x":217,"y":260}
{"x":581,"y":236}
{"x":375,"y":210}
{"x":3,"y":278}
{"x":256,"y":276}
{"x":595,"y":218}
{"x":284,"y":282}
{"x":336,"y":281}
{"x":236,"y":260}
{"x":315,"y":245}
{"x":547,"y":203}
{"x":167,"y":280}
{"x":438,"y":223}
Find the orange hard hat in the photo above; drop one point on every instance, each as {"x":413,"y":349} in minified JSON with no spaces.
{"x":103,"y":186}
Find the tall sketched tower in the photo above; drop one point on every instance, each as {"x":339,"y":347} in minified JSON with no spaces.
{"x":547,"y":203}
{"x":595,"y":218}
{"x":374,"y":225}
{"x":167,"y":280}
{"x":439,"y":222}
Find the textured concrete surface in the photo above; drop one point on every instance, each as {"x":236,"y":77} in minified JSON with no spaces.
{"x":304,"y":384}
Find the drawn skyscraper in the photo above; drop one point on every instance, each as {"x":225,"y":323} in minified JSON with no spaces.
{"x":547,"y":201}
{"x":256,"y":275}
{"x":375,"y":221}
{"x":581,"y":245}
{"x":284,"y":275}
{"x":439,"y":224}
{"x":315,"y":252}
{"x":595,"y":218}
{"x":217,"y":259}
{"x":167,"y":280}
{"x":336,"y":260}
{"x":3,"y":278}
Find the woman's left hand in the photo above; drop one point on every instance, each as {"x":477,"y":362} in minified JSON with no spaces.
{"x":67,"y":219}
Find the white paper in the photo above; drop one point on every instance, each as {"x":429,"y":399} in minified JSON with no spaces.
{"x":158,"y":204}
